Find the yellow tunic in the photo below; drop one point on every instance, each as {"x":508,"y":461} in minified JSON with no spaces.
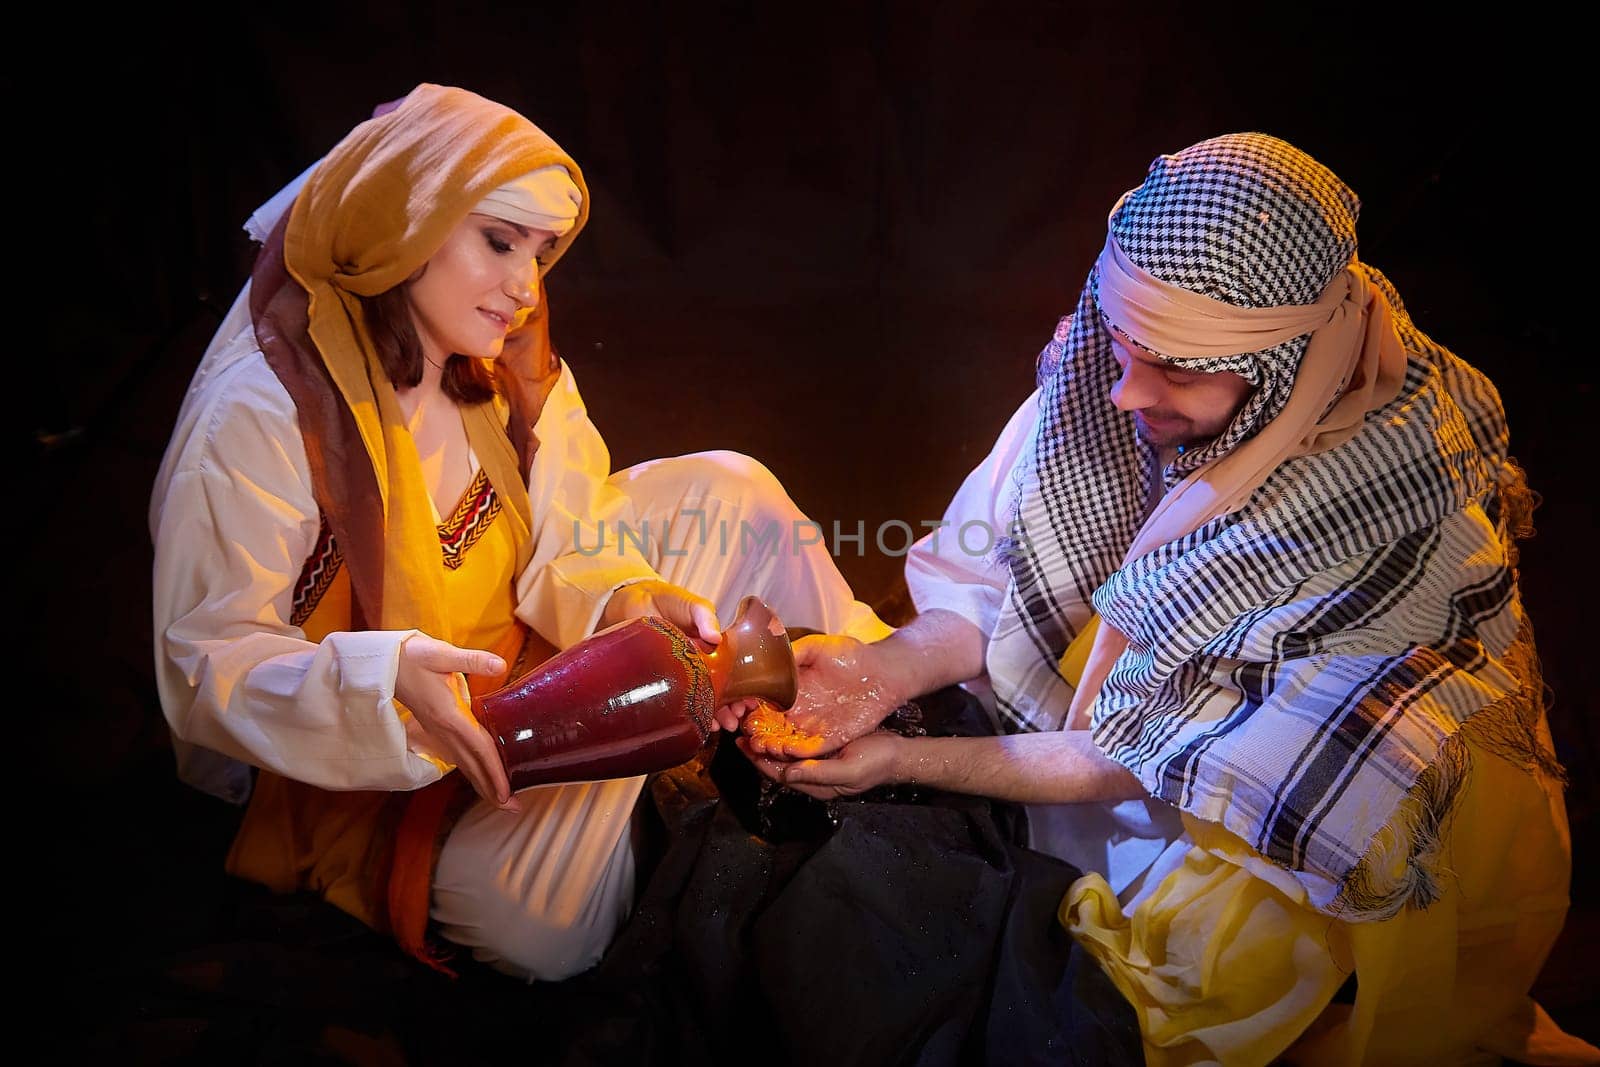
{"x":343,"y":844}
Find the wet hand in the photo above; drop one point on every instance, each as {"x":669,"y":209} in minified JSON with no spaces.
{"x":694,"y":615}
{"x":865,"y":763}
{"x":429,"y":683}
{"x":842,"y":696}
{"x":769,"y":729}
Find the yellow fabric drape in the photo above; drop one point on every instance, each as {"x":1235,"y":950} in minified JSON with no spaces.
{"x":1225,"y":961}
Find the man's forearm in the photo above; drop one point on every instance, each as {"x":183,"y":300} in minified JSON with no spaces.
{"x":1059,"y":767}
{"x":934,"y":650}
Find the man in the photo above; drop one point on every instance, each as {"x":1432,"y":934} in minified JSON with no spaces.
{"x":1252,"y":635}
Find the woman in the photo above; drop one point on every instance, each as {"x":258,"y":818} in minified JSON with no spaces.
{"x":383,"y":491}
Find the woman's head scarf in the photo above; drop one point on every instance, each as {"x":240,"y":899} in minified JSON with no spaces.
{"x":370,"y":215}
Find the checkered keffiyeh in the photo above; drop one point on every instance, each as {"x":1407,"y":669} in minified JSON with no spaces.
{"x":1297,"y":670}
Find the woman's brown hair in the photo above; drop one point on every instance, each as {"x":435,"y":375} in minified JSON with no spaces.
{"x":465,"y":380}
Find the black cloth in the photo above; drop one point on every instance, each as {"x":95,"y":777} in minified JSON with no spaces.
{"x":900,"y":927}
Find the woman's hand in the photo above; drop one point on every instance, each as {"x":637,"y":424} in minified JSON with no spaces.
{"x":429,"y":683}
{"x":692,"y":614}
{"x":843,"y":695}
{"x":869,"y":761}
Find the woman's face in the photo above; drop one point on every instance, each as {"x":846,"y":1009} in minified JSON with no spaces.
{"x":480,"y":284}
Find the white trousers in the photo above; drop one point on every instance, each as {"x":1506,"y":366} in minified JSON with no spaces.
{"x":539,"y":895}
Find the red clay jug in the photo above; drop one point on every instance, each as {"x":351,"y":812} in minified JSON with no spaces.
{"x":633,"y":698}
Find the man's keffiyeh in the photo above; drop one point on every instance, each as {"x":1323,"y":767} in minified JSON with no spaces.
{"x":1298,"y":669}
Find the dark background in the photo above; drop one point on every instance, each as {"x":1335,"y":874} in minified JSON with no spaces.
{"x":832,"y":236}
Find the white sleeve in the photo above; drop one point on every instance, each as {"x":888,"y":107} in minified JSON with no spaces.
{"x":265,"y":218}
{"x":578,"y":558}
{"x":233,"y":521}
{"x":954,"y":568}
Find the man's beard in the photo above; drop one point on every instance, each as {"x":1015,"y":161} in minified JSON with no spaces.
{"x":1177,"y":433}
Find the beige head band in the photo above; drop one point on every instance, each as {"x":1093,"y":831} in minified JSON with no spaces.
{"x":1176,"y":322}
{"x":543,"y":199}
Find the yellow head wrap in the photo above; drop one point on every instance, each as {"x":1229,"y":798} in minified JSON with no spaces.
{"x":376,"y":209}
